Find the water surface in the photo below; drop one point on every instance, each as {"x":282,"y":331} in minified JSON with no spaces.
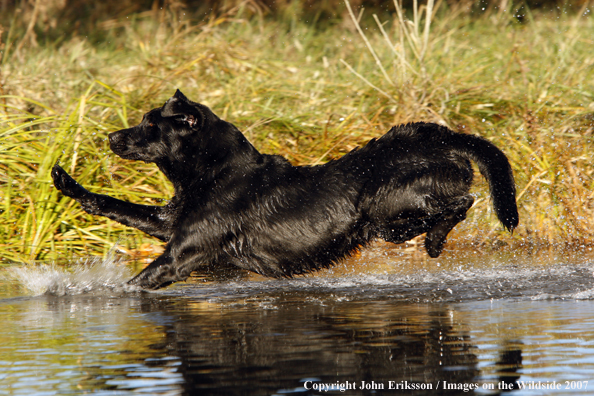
{"x":468,"y":323}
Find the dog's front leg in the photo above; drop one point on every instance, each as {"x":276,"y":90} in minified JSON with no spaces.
{"x":162,"y":272}
{"x":154,"y":220}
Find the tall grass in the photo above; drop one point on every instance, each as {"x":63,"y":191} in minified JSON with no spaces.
{"x":308,"y":94}
{"x":527,"y":87}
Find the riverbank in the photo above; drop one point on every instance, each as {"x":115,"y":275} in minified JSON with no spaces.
{"x":308,"y":93}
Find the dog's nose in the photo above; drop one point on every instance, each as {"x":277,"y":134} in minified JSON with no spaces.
{"x":117,"y":141}
{"x":115,"y":137}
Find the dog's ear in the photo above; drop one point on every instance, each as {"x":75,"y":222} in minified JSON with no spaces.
{"x":182,"y":109}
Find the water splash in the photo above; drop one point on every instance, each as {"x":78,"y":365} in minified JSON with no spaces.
{"x":97,"y":276}
{"x":454,"y":280}
{"x":468,"y":283}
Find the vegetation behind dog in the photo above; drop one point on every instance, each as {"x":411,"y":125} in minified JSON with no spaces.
{"x":307,"y":90}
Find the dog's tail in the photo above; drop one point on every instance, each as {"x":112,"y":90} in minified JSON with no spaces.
{"x":495,"y":167}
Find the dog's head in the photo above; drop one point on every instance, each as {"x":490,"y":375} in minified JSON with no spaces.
{"x":165,"y":132}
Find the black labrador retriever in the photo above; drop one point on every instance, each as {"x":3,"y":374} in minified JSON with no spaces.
{"x":234,"y":205}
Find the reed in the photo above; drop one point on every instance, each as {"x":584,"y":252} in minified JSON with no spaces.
{"x":310,"y":94}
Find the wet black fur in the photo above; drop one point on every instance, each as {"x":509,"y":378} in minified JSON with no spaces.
{"x":234,"y":205}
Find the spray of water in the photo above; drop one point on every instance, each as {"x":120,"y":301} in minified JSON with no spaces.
{"x":566,"y":278}
{"x":98,"y":276}
{"x":465,"y":283}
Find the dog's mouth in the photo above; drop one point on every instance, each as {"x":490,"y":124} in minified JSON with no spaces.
{"x":121,"y":150}
{"x":124,"y":152}
{"x":126,"y":155}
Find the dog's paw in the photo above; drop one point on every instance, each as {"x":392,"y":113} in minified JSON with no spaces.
{"x":146,"y":281}
{"x":66,"y":184}
{"x":91,"y":203}
{"x":159,"y":276}
{"x":434,"y":245}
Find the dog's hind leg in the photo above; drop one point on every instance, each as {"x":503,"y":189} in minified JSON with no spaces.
{"x":447,"y":220}
{"x":404,"y":230}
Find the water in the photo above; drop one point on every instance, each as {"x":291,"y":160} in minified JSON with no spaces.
{"x":468,"y":323}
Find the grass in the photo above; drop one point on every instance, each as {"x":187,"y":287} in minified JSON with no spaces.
{"x":310,"y":94}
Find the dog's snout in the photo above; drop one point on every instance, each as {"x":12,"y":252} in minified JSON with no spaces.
{"x":117,"y":140}
{"x":114,"y":137}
